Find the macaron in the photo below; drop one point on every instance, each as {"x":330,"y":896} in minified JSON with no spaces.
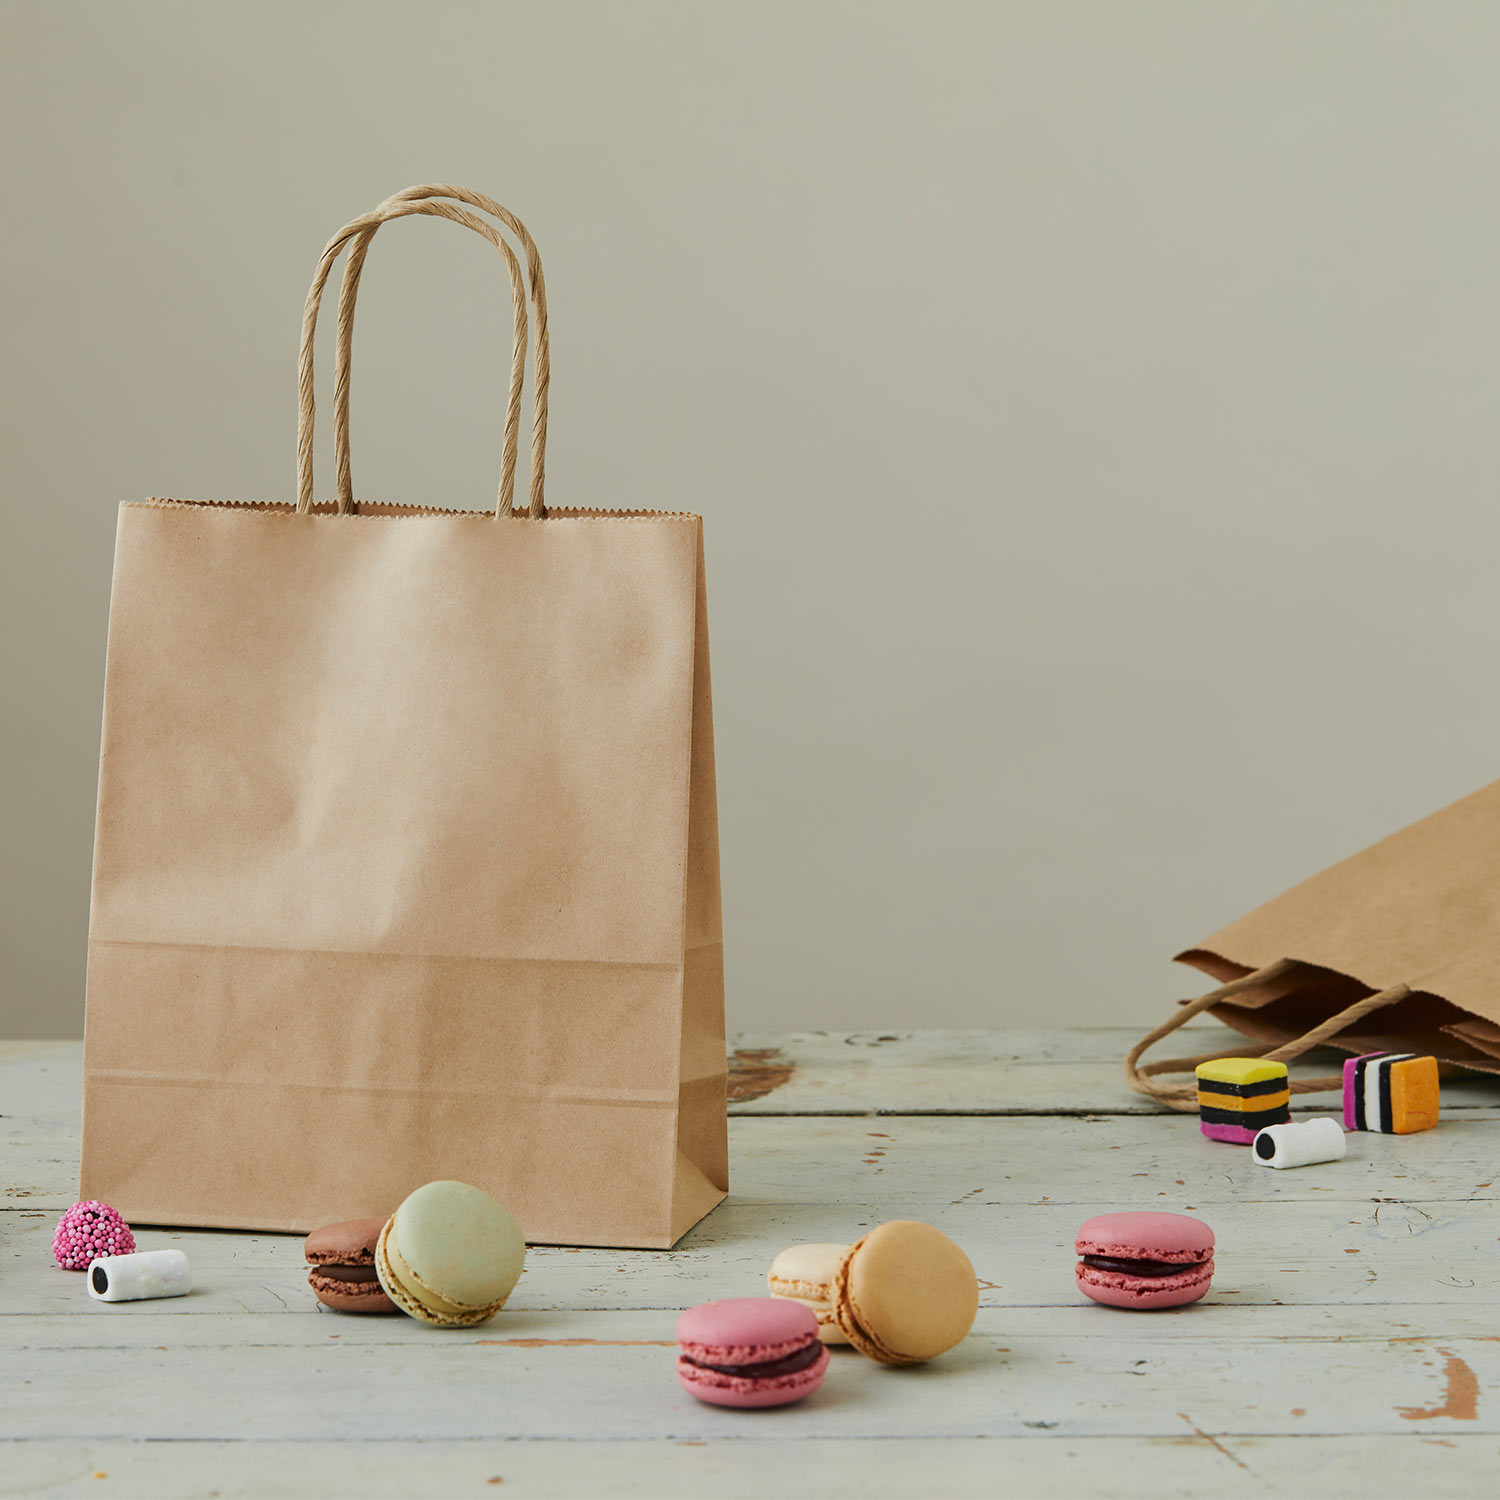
{"x":750,"y":1351}
{"x":1144,"y":1260}
{"x":341,"y":1266}
{"x":805,"y":1274}
{"x":905,"y":1293}
{"x":450,"y":1255}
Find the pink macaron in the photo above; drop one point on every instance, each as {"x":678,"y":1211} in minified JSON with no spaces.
{"x":750,"y":1351}
{"x":1145,"y":1260}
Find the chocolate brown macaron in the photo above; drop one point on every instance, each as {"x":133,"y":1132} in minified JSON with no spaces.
{"x":341,"y":1267}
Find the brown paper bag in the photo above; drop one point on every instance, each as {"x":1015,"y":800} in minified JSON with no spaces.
{"x":407,"y":855}
{"x":1396,"y":948}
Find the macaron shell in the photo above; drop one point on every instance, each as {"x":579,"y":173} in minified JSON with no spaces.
{"x":350,"y":1296}
{"x":829,"y":1331}
{"x":905,"y":1293}
{"x":719,"y":1389}
{"x":420,"y":1302}
{"x":805,"y":1271}
{"x":745,"y":1330}
{"x":456,"y":1246}
{"x":350,"y":1242}
{"x":1144,"y":1293}
{"x":805,"y":1274}
{"x":1136,"y":1235}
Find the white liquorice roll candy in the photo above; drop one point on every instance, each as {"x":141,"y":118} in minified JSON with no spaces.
{"x":1302,"y":1143}
{"x":133,"y":1278}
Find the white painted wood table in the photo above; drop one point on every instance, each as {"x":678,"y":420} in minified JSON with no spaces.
{"x":1350,"y":1345}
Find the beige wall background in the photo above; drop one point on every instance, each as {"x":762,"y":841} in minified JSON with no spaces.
{"x":1092,"y":407}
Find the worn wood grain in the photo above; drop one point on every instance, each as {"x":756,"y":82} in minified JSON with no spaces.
{"x":1191,"y":1465}
{"x":1351,"y":1233}
{"x":986,"y":1072}
{"x":812,"y":1073}
{"x":1068,"y":1371}
{"x":1348,"y":1345}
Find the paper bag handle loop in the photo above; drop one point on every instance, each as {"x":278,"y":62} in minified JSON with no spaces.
{"x":541,"y":356}
{"x":364,"y":225}
{"x":1184,"y":1096}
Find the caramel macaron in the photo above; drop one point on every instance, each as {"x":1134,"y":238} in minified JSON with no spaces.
{"x":905,"y":1293}
{"x":341,"y":1266}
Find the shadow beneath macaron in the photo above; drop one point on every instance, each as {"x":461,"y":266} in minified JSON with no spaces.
{"x":977,"y":1353}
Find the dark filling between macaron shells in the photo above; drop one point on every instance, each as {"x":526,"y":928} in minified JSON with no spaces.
{"x":1151,"y":1268}
{"x":789,"y":1364}
{"x":355,"y":1274}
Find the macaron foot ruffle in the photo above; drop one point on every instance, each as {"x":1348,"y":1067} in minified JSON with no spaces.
{"x":397,"y":1292}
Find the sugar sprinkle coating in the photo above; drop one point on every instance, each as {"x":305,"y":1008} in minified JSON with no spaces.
{"x":89,"y":1230}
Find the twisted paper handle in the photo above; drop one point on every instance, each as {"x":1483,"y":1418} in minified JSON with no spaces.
{"x":541,"y":357}
{"x":1184,"y":1097}
{"x":426,"y":200}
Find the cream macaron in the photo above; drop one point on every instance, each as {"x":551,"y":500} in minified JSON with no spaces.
{"x":905,"y":1293}
{"x":805,"y":1274}
{"x":450,"y":1255}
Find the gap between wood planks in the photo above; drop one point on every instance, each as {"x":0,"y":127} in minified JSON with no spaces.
{"x":1478,"y":1112}
{"x":757,"y":1072}
{"x":976,"y":1112}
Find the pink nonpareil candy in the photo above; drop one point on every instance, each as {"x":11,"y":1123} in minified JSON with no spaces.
{"x":88,"y":1230}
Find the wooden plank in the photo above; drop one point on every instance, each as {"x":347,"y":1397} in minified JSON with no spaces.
{"x":1347,"y":1346}
{"x":810,"y":1073}
{"x":1032,"y":1268}
{"x":996,"y":1072}
{"x":144,"y":1325}
{"x":1406,"y":1219}
{"x":1294,"y":1255}
{"x":40,"y":1080}
{"x":1014,"y":1160}
{"x":1189,"y":1465}
{"x":529,"y":1377}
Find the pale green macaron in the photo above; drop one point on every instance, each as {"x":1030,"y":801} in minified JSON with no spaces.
{"x":450,"y":1255}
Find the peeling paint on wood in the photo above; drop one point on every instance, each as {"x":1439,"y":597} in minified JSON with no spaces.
{"x":1077,"y":1400}
{"x":755,"y":1072}
{"x":1460,"y":1394}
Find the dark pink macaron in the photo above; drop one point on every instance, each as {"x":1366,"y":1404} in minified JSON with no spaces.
{"x":1144,"y":1260}
{"x":750,"y":1351}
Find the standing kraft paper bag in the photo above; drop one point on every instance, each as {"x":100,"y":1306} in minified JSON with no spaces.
{"x":407,"y":854}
